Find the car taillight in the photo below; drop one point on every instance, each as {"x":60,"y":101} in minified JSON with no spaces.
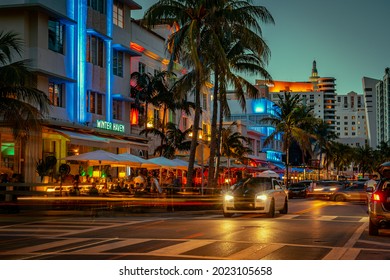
{"x":376,"y":197}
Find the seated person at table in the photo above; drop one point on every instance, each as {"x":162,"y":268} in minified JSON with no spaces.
{"x":154,"y":185}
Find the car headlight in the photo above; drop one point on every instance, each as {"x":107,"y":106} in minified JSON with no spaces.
{"x":229,"y":197}
{"x":261,"y":197}
{"x":333,"y":189}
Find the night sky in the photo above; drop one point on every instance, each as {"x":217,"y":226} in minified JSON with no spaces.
{"x":349,"y":39}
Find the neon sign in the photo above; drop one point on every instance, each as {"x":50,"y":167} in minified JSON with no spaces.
{"x":110,"y":126}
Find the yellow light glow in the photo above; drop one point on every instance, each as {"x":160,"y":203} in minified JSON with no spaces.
{"x":151,"y":55}
{"x":96,"y":174}
{"x":122,"y":174}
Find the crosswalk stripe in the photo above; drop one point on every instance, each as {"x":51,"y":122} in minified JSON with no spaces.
{"x":256,"y":252}
{"x":111,"y":246}
{"x":181,"y":248}
{"x":27,"y":250}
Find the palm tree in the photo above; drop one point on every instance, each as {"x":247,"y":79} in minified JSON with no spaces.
{"x":240,"y":59}
{"x":233,"y":144}
{"x":145,"y":87}
{"x":341,"y":155}
{"x":200,"y":32}
{"x":236,"y":47}
{"x":323,"y":136}
{"x":382,"y":153}
{"x":173,"y":140}
{"x":191,"y":16}
{"x":291,"y":120}
{"x":364,"y":157}
{"x":22,"y":105}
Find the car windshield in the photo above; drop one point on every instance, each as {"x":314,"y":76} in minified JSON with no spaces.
{"x":254,"y":185}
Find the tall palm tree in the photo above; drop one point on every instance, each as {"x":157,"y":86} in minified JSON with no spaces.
{"x":202,"y":25}
{"x":191,"y":17}
{"x":240,"y":59}
{"x":237,"y":47}
{"x":22,"y":105}
{"x":291,"y":120}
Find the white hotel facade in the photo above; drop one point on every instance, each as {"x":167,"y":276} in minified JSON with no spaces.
{"x":83,"y":52}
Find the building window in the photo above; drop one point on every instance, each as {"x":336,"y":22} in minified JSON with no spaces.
{"x":118,"y":63}
{"x":56,"y":94}
{"x":118,"y":14}
{"x":56,"y":36}
{"x":95,"y":50}
{"x":141,"y":68}
{"x":184,"y":123}
{"x":117,"y":109}
{"x":94,"y":103}
{"x":98,"y":5}
{"x":204,"y":96}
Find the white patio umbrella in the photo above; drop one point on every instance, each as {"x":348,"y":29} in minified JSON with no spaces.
{"x":182,"y":164}
{"x":269,"y":174}
{"x":159,"y":162}
{"x":98,"y":157}
{"x":131,"y":160}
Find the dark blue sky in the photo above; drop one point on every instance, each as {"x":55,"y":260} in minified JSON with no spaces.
{"x":349,"y":39}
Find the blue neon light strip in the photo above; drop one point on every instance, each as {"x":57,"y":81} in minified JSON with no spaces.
{"x":110,"y":74}
{"x":71,"y":88}
{"x":81,"y":60}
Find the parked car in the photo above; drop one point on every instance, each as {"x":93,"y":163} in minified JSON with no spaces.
{"x":324,"y":188}
{"x":256,"y":195}
{"x":356,"y":191}
{"x":379,"y":203}
{"x":299,"y":189}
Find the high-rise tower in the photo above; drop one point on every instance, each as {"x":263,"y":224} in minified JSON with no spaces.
{"x":314,"y":75}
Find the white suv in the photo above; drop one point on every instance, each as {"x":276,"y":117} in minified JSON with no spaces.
{"x":256,"y":195}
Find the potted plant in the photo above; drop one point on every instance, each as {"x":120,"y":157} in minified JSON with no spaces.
{"x":45,"y":166}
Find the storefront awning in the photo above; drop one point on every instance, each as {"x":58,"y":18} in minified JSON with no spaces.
{"x":85,"y":139}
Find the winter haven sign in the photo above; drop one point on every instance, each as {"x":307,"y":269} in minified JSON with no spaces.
{"x":110,"y":126}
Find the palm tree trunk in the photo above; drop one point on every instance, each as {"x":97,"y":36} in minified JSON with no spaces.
{"x":194,"y":141}
{"x":218,"y":138}
{"x":319,"y":165}
{"x":163,"y":126}
{"x":213,"y":142}
{"x":287,"y":166}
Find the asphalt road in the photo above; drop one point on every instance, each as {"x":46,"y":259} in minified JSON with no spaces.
{"x":313,"y":230}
